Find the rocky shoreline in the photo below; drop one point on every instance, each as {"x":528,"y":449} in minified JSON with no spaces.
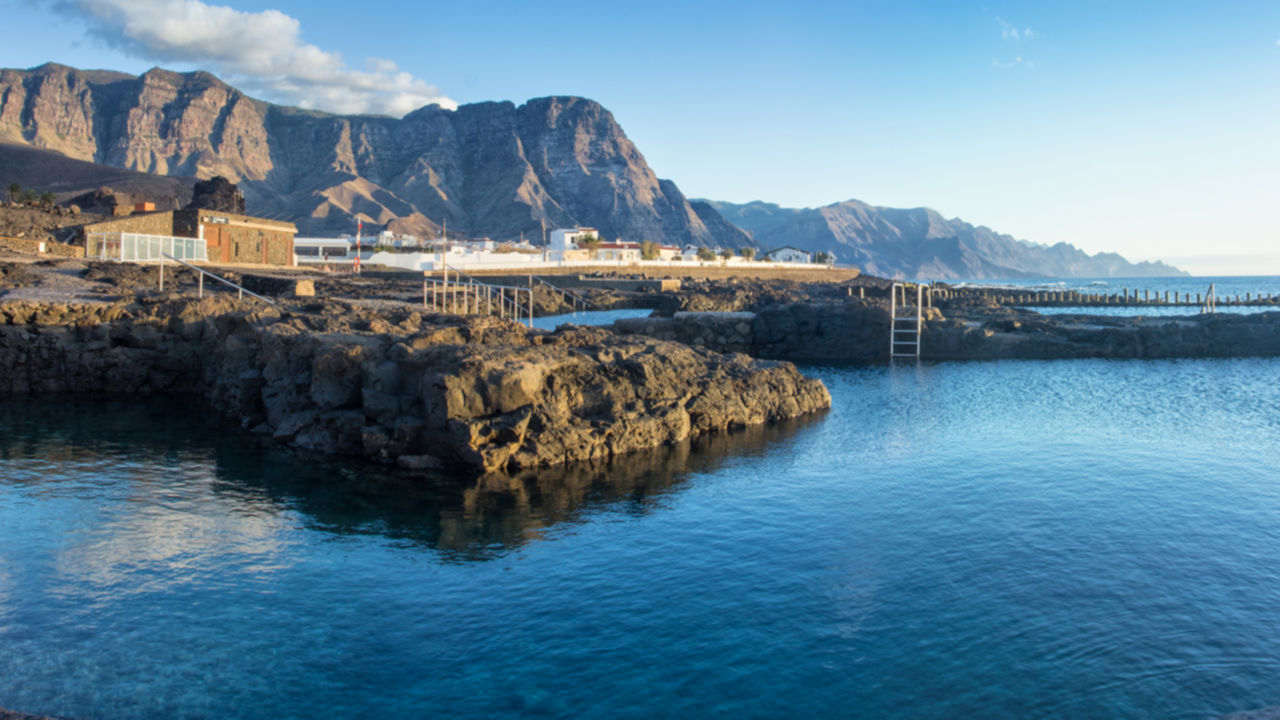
{"x":397,"y":386}
{"x":857,"y":331}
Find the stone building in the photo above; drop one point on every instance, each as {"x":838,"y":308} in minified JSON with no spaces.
{"x":229,"y":237}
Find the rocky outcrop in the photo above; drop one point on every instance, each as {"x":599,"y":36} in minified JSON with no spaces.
{"x":487,"y":169}
{"x":217,"y":194}
{"x":399,"y":387}
{"x":839,"y":333}
{"x":858,"y":332}
{"x":1030,"y":336}
{"x":920,"y":243}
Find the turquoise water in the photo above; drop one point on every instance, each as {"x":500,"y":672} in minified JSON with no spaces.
{"x":995,"y":540}
{"x":589,"y":317}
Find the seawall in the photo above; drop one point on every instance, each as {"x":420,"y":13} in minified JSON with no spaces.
{"x":857,"y":332}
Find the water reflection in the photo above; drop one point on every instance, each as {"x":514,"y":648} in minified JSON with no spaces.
{"x":214,"y":470}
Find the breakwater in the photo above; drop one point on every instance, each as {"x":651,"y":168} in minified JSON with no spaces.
{"x":394,"y":385}
{"x":858,"y":332}
{"x":1135,"y":297}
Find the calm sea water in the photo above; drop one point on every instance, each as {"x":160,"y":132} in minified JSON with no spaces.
{"x":995,"y":540}
{"x":589,"y":317}
{"x":1224,"y":287}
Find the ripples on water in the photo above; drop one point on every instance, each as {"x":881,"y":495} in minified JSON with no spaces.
{"x":1019,"y":539}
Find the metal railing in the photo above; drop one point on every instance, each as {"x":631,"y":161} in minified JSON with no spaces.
{"x":476,"y":298}
{"x":909,"y":347}
{"x":1210,"y":301}
{"x":200,"y":273}
{"x":574,"y":299}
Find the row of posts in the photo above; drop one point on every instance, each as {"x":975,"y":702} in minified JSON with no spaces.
{"x":472,"y":298}
{"x":1124,"y":297}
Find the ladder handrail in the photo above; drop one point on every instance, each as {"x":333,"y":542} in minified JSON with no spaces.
{"x":1210,"y":301}
{"x":222,"y":280}
{"x":894,"y":330}
{"x":573,"y":296}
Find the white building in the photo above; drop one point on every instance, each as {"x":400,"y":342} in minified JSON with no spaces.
{"x":323,"y":250}
{"x":787,"y":253}
{"x":562,"y":244}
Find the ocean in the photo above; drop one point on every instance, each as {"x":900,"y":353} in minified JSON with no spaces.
{"x":1029,"y":539}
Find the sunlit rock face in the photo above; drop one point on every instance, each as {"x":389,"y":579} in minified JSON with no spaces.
{"x":420,"y":391}
{"x":488,"y":169}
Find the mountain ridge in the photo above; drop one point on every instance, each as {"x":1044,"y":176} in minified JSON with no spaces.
{"x":486,"y":169}
{"x":919,"y":243}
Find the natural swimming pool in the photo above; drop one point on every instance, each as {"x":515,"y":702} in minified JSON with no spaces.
{"x":1008,"y":539}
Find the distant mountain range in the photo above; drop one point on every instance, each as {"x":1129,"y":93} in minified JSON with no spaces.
{"x":491,"y":169}
{"x":920,"y":243}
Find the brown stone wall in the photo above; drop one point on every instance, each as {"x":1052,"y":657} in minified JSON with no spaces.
{"x":239,"y":238}
{"x":24,"y":245}
{"x":161,"y":223}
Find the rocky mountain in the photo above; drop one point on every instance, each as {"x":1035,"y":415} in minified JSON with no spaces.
{"x":54,"y":172}
{"x":920,"y":243}
{"x":487,"y":169}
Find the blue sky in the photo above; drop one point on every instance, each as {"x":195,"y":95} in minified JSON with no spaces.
{"x":1149,"y":129}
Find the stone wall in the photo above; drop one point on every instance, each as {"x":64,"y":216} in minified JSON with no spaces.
{"x":160,"y":223}
{"x":798,"y":332}
{"x":858,"y":332}
{"x":1084,"y":336}
{"x":480,"y":393}
{"x":23,"y":245}
{"x":616,"y":284}
{"x":239,"y":238}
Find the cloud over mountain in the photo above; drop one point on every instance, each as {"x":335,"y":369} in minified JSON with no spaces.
{"x":261,"y":51}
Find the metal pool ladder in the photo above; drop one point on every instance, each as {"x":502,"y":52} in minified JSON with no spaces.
{"x":904,"y":330}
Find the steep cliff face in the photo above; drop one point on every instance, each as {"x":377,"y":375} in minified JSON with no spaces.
{"x":487,"y":169}
{"x":920,"y":243}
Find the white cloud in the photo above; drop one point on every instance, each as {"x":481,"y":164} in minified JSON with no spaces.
{"x":1008,"y":31}
{"x":261,"y":51}
{"x":1015,"y":62}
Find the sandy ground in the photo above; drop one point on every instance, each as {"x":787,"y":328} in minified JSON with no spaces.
{"x":60,"y":282}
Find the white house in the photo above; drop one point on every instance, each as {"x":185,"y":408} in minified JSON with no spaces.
{"x":563,"y":243}
{"x":619,"y":251}
{"x":787,"y":253}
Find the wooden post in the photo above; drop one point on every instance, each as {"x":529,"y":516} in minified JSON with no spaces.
{"x":161,"y":273}
{"x":200,"y":280}
{"x":531,"y":301}
{"x":862,"y":293}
